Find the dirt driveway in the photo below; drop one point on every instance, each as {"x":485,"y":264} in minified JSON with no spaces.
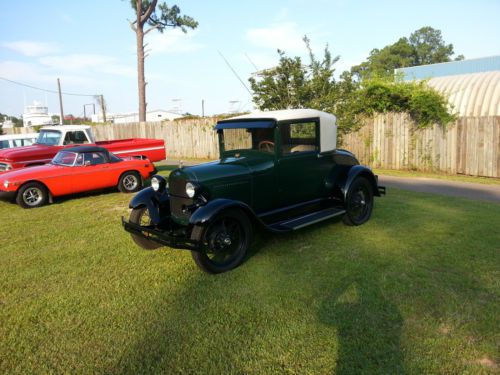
{"x":480,"y":192}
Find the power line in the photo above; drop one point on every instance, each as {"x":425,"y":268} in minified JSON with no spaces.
{"x":46,"y":90}
{"x":234,"y":72}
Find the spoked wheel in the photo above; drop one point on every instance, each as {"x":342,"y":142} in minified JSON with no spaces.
{"x":225,"y":243}
{"x":32,"y":195}
{"x":140,"y":216}
{"x":359,"y":204}
{"x":130,"y":182}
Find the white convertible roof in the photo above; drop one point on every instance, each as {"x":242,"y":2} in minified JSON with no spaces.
{"x":328,"y":122}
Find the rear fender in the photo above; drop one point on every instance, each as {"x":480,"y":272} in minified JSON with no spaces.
{"x":158,"y":204}
{"x":358,"y":171}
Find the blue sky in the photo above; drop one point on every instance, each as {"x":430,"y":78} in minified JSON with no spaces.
{"x":90,"y":47}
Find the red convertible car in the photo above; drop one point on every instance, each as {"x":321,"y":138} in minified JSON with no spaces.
{"x":74,"y":170}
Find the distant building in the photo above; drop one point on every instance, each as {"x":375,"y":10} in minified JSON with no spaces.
{"x":472,"y":86}
{"x":36,"y":114}
{"x":6,"y":123}
{"x":124,"y":118}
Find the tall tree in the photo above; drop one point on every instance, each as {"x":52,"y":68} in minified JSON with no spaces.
{"x":424,"y":46}
{"x":292,"y":84}
{"x":158,"y":17}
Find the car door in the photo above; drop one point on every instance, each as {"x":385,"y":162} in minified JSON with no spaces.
{"x":91,"y":172}
{"x":301,"y":167}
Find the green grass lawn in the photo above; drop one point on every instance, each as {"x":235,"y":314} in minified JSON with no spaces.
{"x":415,"y":290}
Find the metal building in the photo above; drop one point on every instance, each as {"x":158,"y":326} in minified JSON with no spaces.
{"x":472,"y":86}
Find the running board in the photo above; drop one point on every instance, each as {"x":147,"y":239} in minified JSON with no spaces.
{"x":304,"y":221}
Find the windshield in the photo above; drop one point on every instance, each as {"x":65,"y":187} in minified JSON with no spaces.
{"x":49,"y":137}
{"x":259,"y":139}
{"x":64,"y":158}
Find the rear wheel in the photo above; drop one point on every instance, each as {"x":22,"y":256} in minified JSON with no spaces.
{"x":359,"y":202}
{"x":130,"y":182}
{"x":225,"y":242}
{"x":140,"y":216}
{"x":32,"y":195}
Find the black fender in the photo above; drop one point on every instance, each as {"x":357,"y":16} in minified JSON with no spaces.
{"x":205,"y":214}
{"x":355,"y":171}
{"x":155,"y":203}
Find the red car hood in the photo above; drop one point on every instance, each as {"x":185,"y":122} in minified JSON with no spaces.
{"x":26,"y":152}
{"x":29,"y":173}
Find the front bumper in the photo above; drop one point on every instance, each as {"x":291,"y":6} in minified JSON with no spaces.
{"x":164,"y":237}
{"x":7,"y":195}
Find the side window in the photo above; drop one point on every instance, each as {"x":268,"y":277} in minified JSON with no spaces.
{"x":28,"y":142}
{"x":299,"y":137}
{"x":76,"y":137}
{"x":94,"y":158}
{"x":17,"y":142}
{"x":4,"y":144}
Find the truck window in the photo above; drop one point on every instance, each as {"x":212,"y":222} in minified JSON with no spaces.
{"x":4,"y":144}
{"x":299,"y":137}
{"x":75,"y":137}
{"x":49,"y":137}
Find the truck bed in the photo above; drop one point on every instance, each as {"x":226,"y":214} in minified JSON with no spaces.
{"x":153,"y":149}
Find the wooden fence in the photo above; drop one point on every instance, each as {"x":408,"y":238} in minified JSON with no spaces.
{"x":470,"y":146}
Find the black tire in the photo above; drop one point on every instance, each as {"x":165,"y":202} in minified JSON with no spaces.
{"x":130,"y":182}
{"x":140,"y":216}
{"x":359,"y":202}
{"x":225,"y":242}
{"x":32,"y":195}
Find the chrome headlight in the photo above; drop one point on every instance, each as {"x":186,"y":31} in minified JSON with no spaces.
{"x":6,"y":184}
{"x":190,"y":190}
{"x":158,"y":183}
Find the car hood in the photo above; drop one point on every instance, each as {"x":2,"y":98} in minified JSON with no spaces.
{"x":21,"y":153}
{"x":32,"y":173}
{"x":221,"y":173}
{"x":218,"y":170}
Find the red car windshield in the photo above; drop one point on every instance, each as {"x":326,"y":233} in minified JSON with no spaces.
{"x":64,"y":158}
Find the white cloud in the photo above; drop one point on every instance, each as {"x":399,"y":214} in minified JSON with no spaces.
{"x":285,"y":36}
{"x":171,"y":41}
{"x":31,"y":48}
{"x":87,"y":63}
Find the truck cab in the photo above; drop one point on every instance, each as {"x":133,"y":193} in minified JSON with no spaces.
{"x":65,"y":135}
{"x":278,"y":170}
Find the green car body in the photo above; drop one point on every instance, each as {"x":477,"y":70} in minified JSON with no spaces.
{"x":278,"y":170}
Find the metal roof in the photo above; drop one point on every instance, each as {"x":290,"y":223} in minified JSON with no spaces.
{"x":476,"y":94}
{"x":483,"y":64}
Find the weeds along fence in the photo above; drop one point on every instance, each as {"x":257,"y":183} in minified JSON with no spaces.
{"x":469,"y":146}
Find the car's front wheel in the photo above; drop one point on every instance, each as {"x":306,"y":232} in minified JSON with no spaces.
{"x":359,"y":202}
{"x":130,"y":182}
{"x":32,"y":195}
{"x":225,"y":242}
{"x":140,"y":216}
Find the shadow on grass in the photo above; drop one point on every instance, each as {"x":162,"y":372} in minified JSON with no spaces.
{"x":368,"y":326}
{"x":354,"y":284}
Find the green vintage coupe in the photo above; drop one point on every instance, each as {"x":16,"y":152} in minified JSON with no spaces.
{"x":278,"y":170}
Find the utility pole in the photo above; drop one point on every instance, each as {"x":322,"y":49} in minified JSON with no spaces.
{"x":202,"y":107}
{"x":103,"y":108}
{"x":61,"y":114}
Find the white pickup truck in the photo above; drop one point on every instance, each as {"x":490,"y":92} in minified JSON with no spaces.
{"x":54,"y":138}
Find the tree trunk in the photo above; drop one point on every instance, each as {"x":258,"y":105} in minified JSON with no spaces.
{"x":141,"y":81}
